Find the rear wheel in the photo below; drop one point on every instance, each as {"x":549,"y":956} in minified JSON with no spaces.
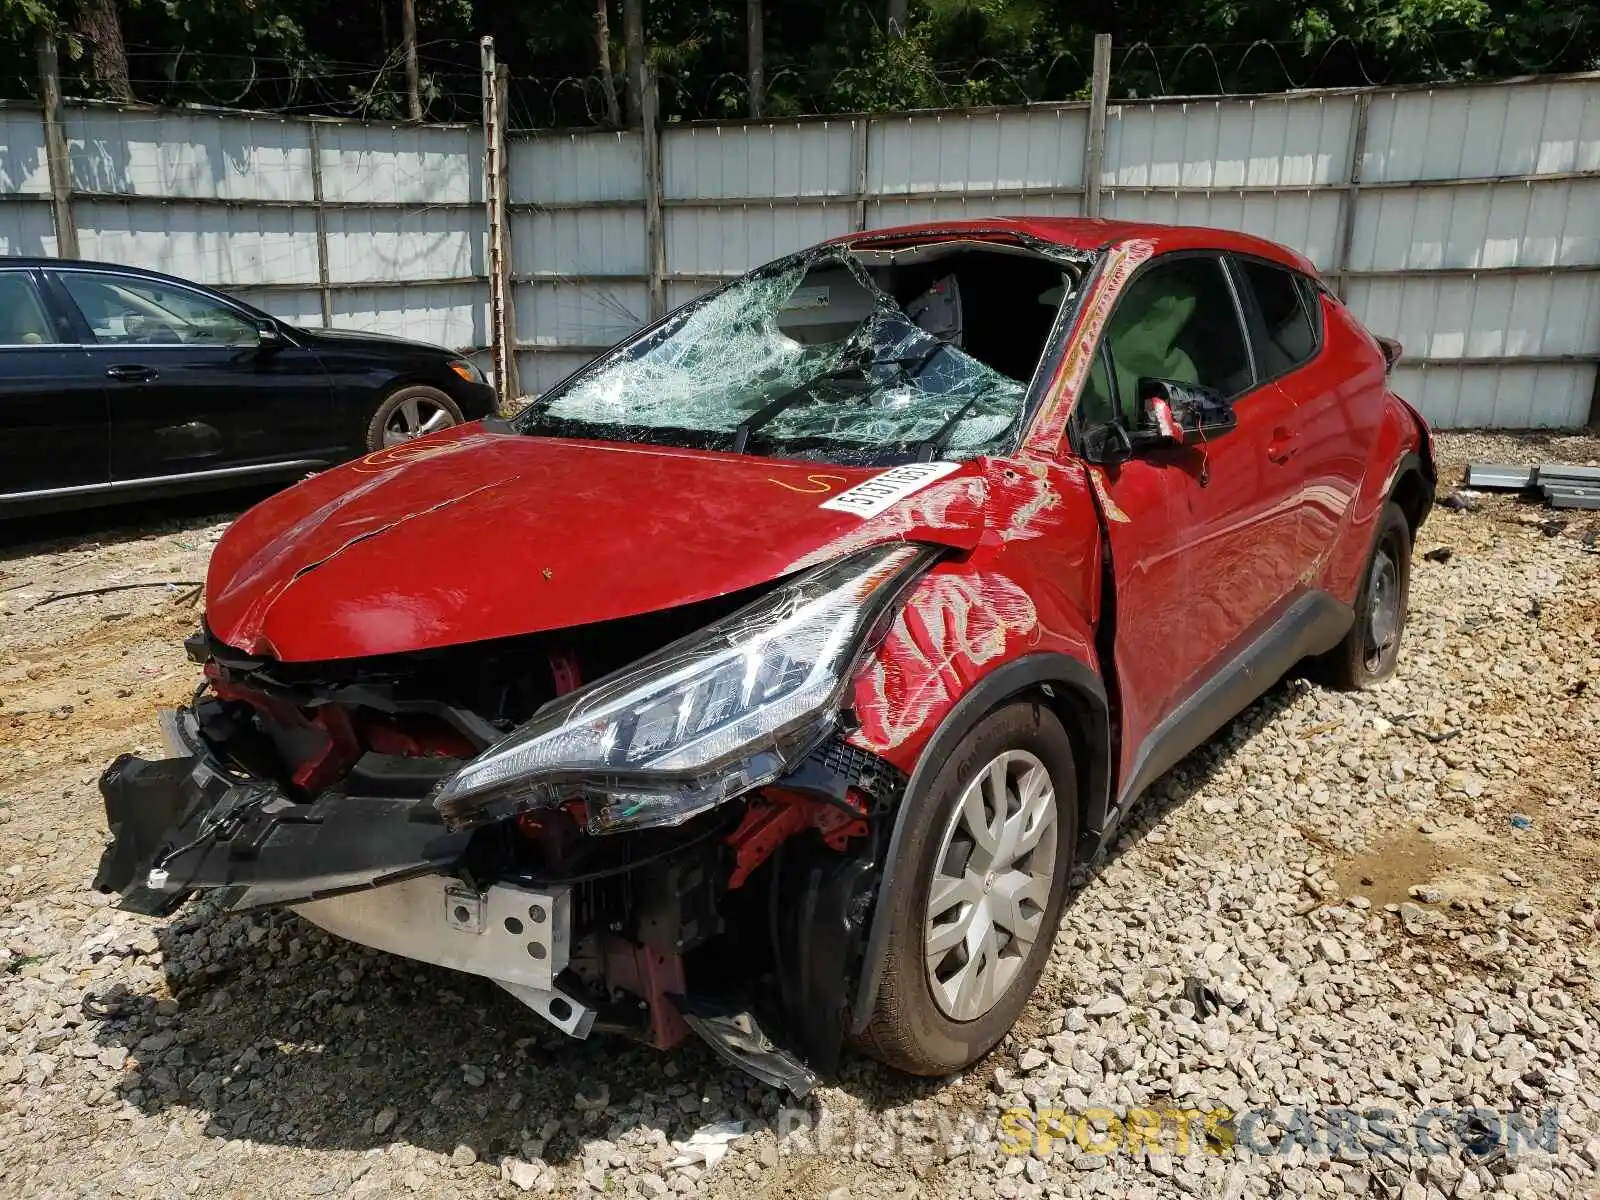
{"x":990,"y":848}
{"x":410,"y":413}
{"x":1371,"y":649}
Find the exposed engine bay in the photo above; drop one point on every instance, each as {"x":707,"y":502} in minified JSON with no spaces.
{"x":328,"y":788}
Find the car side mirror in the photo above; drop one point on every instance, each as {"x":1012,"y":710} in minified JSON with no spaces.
{"x":268,"y":336}
{"x":1181,"y":414}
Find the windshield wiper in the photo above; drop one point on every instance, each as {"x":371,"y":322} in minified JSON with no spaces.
{"x":931,"y":449}
{"x":910,"y":365}
{"x":741,"y":435}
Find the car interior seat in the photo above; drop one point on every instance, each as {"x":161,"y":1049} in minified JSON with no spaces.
{"x":1146,"y":345}
{"x":22,"y":322}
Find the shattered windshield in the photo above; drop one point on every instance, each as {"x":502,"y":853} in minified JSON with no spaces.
{"x":813,"y":356}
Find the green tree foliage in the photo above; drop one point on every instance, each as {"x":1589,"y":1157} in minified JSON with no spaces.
{"x":344,"y":55}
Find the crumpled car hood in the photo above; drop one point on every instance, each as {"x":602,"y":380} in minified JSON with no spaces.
{"x":472,"y":534}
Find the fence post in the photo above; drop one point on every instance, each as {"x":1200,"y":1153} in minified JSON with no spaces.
{"x":319,"y":213}
{"x":55,"y":148}
{"x":1352,"y":194}
{"x":860,"y":132}
{"x":508,"y":298}
{"x":502,"y":339}
{"x":654,"y":233}
{"x":1094,"y":146}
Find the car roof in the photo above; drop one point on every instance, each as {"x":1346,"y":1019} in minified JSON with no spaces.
{"x":1093,"y":233}
{"x":88,"y":264}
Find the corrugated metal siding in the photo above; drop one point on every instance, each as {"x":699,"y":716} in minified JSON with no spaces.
{"x":213,"y":245}
{"x":176,"y":155}
{"x":974,"y":153}
{"x":722,"y":161}
{"x":1475,"y":133}
{"x":228,"y":200}
{"x":22,"y":161}
{"x":1274,"y":142}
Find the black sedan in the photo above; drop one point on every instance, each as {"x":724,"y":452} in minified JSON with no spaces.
{"x":117,"y":382}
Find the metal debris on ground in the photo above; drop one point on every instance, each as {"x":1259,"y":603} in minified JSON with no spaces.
{"x":1439,"y":554}
{"x":1561,"y":485}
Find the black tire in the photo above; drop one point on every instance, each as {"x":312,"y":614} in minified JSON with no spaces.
{"x":908,"y":1029}
{"x":1365,"y":657}
{"x":394,"y":410}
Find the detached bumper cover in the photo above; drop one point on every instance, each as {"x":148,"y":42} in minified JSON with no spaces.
{"x":183,"y":824}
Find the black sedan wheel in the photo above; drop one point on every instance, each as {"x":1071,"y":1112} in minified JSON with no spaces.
{"x":410,"y":413}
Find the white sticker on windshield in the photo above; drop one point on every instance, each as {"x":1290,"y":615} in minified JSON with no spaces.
{"x":871,"y":497}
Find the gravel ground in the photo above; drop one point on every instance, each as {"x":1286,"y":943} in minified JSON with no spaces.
{"x":1381,"y":900}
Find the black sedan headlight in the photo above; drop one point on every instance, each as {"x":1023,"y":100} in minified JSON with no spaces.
{"x":705,"y":719}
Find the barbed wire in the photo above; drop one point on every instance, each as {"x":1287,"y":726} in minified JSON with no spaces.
{"x":451,"y":81}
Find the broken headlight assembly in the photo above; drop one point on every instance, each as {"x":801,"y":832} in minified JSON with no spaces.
{"x":703,"y":720}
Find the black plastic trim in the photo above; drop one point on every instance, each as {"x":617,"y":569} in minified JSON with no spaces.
{"x":1311,"y":623}
{"x":1011,"y":679}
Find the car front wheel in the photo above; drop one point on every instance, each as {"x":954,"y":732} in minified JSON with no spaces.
{"x":989,"y":850}
{"x":409,"y":413}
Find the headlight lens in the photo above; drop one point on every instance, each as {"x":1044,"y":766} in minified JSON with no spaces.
{"x":702,"y":720}
{"x":466,"y":370}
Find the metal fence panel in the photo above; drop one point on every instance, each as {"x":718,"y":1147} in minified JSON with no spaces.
{"x":386,"y":245}
{"x":22,"y":161}
{"x":450,"y":315}
{"x":807,"y":158}
{"x":1543,"y":224}
{"x":204,"y":156}
{"x":1264,"y":142}
{"x":1483,"y":316}
{"x":395,"y":164}
{"x":726,"y":241}
{"x":1506,"y":397}
{"x":1481,"y":132}
{"x":26,"y":229}
{"x":1470,"y":230}
{"x":891,"y":211}
{"x":1305,"y":220}
{"x":220,"y":247}
{"x":574,"y":168}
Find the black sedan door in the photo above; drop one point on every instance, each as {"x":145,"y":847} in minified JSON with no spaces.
{"x":53,"y":422}
{"x":192,"y":384}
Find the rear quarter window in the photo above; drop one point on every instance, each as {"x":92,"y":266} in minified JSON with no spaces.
{"x":1291,"y":326}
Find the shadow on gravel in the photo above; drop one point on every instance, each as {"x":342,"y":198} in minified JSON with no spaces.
{"x":281,"y":1034}
{"x":114,"y":524}
{"x":883,"y":1089}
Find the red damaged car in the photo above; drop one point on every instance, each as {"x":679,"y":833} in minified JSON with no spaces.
{"x":766,"y":678}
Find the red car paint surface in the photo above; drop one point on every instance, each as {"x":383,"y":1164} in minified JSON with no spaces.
{"x":472,"y":535}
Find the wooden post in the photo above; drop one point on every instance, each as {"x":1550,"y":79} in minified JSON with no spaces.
{"x":1352,"y":194}
{"x":55,"y":148}
{"x":1094,"y":146}
{"x":654,"y":232}
{"x":502,"y":338}
{"x":755,"y":55}
{"x":408,"y":39}
{"x":860,"y":132}
{"x":633,"y":57}
{"x":508,"y":302}
{"x":319,"y":213}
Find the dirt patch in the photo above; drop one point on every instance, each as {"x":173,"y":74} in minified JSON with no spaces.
{"x":1398,"y":862}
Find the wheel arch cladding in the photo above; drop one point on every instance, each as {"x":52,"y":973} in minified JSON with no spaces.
{"x":1074,"y":693}
{"x":1413,"y":492}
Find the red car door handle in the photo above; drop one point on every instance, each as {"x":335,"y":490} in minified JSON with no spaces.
{"x":1281,"y":448}
{"x":132,"y":373}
